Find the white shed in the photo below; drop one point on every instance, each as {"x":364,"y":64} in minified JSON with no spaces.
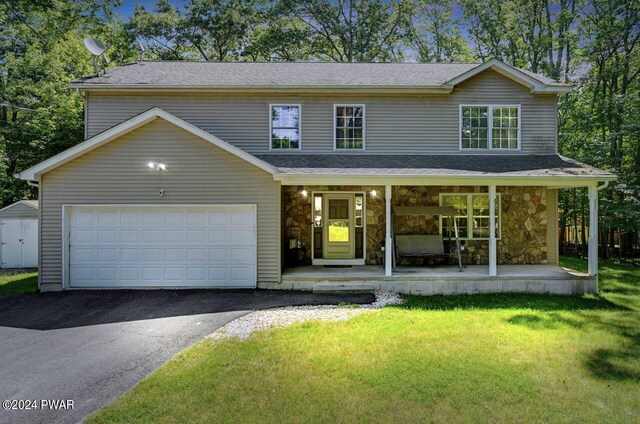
{"x":19,"y":235}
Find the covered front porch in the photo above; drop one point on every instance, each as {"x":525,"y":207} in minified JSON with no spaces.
{"x":504,"y":209}
{"x":425,"y":280}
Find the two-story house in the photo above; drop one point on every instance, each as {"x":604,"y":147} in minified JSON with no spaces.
{"x":200,"y":174}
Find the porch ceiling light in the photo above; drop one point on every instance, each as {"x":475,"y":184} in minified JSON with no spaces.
{"x":304,"y":193}
{"x":373,"y":193}
{"x":158,"y":166}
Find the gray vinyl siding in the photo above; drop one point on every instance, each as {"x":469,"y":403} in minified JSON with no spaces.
{"x":197,"y":173}
{"x":399,"y":125}
{"x":19,"y":211}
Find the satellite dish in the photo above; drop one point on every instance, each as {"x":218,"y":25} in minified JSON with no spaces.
{"x":94,"y":46}
{"x":97,"y":49}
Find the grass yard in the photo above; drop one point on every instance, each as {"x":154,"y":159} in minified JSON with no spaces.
{"x":481,"y":358}
{"x":22,"y":283}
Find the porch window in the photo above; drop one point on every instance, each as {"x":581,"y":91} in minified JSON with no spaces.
{"x":349,"y":127}
{"x":472,"y":217}
{"x":285,"y":126}
{"x":490,"y":127}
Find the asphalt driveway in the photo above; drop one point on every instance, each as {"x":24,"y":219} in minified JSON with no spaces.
{"x":91,"y":346}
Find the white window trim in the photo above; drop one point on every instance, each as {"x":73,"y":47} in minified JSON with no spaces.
{"x":490,"y":127}
{"x":470,"y":214}
{"x":271,"y":106}
{"x":364,"y":125}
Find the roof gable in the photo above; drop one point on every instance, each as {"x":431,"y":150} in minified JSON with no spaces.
{"x":128,"y":126}
{"x":536,"y":83}
{"x":30,"y":203}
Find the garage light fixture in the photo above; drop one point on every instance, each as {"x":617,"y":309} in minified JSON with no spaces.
{"x":373,"y":193}
{"x":158,"y":166}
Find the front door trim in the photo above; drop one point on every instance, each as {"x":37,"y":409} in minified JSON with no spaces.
{"x":356,"y":261}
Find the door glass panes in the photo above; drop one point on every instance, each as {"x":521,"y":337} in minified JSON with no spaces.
{"x":317,"y":211}
{"x":359,"y":209}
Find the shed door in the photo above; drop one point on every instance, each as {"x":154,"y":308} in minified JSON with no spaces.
{"x":19,"y":243}
{"x":162,"y":246}
{"x":12,"y":243}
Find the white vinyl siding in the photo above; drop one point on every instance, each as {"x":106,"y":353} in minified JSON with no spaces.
{"x":398,"y":124}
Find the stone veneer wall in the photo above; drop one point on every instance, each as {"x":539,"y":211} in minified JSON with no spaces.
{"x":524,"y":221}
{"x":296,"y":217}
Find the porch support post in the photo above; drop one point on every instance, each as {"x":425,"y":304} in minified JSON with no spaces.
{"x":493,"y":251}
{"x":593,"y":230}
{"x":388,"y":244}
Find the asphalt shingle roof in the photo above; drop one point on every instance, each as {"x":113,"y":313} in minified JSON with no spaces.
{"x":283,"y":74}
{"x":441,"y":165}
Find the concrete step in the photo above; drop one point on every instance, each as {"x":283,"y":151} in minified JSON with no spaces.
{"x":342,"y":288}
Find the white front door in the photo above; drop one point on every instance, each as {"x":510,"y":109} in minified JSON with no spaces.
{"x":162,"y":246}
{"x":339,"y":228}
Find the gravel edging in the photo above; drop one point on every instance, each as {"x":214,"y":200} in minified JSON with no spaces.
{"x":244,"y":326}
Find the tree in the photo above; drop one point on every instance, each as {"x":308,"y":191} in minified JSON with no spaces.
{"x":161,"y":31}
{"x":354,"y":30}
{"x":436,"y":36}
{"x":41,"y":51}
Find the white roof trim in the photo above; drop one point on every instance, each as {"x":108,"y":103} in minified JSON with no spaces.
{"x":432,"y":180}
{"x":127,"y":126}
{"x":22,"y":202}
{"x":515,"y":74}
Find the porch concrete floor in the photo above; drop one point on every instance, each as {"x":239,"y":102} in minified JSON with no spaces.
{"x":538,"y":272}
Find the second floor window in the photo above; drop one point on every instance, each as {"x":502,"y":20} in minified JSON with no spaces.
{"x":490,"y":127}
{"x":285,"y":126}
{"x":349,"y":130}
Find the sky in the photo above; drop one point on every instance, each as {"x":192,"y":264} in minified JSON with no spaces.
{"x":127,"y":7}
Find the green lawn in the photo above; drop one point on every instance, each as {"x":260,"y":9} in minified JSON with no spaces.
{"x":23,"y":283}
{"x":482,"y":358}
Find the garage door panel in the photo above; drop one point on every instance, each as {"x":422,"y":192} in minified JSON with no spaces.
{"x":218,"y":218}
{"x":174,"y":236}
{"x":107,"y":274}
{"x":173,"y":246}
{"x":109,"y":254}
{"x":152,"y":218}
{"x":107,"y":236}
{"x":107,"y":217}
{"x":241,"y":236}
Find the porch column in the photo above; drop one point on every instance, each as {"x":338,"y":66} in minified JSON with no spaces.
{"x":493,"y":251}
{"x":593,"y":230}
{"x":388,"y":244}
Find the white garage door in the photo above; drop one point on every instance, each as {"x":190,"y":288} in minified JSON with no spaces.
{"x":162,"y":246}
